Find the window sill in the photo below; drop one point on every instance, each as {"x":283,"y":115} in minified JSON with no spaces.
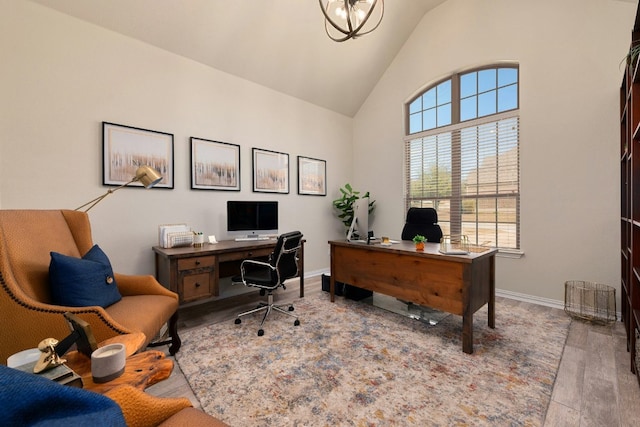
{"x":510,"y":253}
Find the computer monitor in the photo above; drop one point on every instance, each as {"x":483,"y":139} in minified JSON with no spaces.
{"x":252,"y":218}
{"x":360,"y":223}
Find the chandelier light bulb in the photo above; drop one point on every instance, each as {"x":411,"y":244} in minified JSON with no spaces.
{"x":353,"y":18}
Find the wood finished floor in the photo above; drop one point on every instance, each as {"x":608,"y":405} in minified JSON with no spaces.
{"x":594,"y":386}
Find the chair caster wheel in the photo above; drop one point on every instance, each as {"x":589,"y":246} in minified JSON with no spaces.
{"x":296,"y":323}
{"x":260,"y":332}
{"x":238,"y":321}
{"x":290,"y":308}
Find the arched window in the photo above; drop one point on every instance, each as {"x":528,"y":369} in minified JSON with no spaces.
{"x":462,"y":154}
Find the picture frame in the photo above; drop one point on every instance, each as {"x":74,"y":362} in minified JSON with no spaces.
{"x":126,"y":148}
{"x":312,"y":176}
{"x":215,"y":165}
{"x":270,"y":171}
{"x":81,"y":335}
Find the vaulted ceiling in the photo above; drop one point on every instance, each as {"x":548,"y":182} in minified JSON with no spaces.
{"x":280,"y":44}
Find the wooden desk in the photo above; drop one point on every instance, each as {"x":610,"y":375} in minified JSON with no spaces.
{"x":194,"y":273}
{"x":457,"y":284}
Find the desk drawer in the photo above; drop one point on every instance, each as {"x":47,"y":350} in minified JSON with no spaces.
{"x":196,"y":286}
{"x":254,"y":253}
{"x":196,"y":262}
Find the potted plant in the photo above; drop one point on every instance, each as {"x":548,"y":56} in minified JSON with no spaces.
{"x":631,"y":57}
{"x":344,"y":205}
{"x":419,"y":241}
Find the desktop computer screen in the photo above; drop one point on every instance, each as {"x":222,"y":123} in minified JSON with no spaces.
{"x":359,"y":229}
{"x":249,"y":219}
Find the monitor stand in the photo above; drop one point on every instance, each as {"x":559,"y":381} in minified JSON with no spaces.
{"x":350,"y":234}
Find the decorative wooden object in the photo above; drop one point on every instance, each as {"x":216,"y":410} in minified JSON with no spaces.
{"x":141,"y":371}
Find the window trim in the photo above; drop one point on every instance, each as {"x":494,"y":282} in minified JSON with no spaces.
{"x":455,"y":94}
{"x":457,"y":125}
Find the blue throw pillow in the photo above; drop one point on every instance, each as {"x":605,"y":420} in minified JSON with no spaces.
{"x":82,"y":282}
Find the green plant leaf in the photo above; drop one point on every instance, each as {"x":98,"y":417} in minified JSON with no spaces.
{"x":344,"y":204}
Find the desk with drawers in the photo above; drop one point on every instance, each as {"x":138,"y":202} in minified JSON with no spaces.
{"x":194,"y":273}
{"x":457,"y":284}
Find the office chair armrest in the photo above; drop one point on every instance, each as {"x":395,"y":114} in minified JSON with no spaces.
{"x":252,"y":262}
{"x":255,"y":262}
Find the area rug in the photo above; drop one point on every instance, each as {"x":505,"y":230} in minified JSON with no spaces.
{"x":352,"y":364}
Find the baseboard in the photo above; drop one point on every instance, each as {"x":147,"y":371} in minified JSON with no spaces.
{"x":530,"y":299}
{"x":309,"y":274}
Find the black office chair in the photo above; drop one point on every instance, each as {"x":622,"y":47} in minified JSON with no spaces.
{"x":423,"y":221}
{"x":269,"y":276}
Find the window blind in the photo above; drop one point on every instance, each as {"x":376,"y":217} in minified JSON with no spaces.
{"x":469,"y":172}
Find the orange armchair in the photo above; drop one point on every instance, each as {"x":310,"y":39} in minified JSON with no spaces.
{"x":26,"y":239}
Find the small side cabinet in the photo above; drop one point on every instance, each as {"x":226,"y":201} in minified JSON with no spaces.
{"x":191,"y":275}
{"x":197,"y":278}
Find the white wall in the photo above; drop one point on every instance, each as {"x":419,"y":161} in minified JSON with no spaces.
{"x":61,"y":77}
{"x":569,"y":53}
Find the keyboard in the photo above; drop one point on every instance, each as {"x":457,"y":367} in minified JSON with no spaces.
{"x":250,"y":239}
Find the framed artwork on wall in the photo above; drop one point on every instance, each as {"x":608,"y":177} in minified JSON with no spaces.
{"x":270,"y":171}
{"x":312,"y":176}
{"x":126,"y":148}
{"x":215,"y":165}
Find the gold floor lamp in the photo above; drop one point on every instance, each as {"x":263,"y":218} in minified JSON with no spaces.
{"x":146,"y":175}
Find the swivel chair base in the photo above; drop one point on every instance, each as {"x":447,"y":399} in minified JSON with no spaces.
{"x":268,"y":308}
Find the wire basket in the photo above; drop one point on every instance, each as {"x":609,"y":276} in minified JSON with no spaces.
{"x":590,"y":301}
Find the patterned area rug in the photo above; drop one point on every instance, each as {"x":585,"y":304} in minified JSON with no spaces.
{"x":352,"y":364}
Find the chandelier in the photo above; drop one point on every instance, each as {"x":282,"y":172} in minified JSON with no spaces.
{"x":346,"y":19}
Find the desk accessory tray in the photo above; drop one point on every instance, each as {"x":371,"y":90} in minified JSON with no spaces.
{"x":174,"y":235}
{"x":454,"y":245}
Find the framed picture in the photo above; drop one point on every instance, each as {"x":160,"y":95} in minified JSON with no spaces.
{"x":82,"y":334}
{"x":214,"y":165}
{"x":270,"y":171}
{"x":312,"y":176}
{"x":125,"y":149}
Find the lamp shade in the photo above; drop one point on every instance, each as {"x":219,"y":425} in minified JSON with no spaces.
{"x":148,"y":176}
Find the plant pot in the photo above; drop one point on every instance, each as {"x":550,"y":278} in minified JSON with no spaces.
{"x":420,"y":246}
